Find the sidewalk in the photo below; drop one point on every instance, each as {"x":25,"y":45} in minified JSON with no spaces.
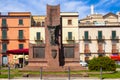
{"x":59,"y":78}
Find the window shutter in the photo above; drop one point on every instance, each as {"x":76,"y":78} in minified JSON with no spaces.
{"x":113,"y":34}
{"x":69,"y":35}
{"x":4,"y":34}
{"x":20,"y":46}
{"x":3,"y":22}
{"x":38,"y":35}
{"x":20,"y":34}
{"x":69,"y":22}
{"x":99,"y":34}
{"x":4,"y":47}
{"x":20,"y":21}
{"x":86,"y":34}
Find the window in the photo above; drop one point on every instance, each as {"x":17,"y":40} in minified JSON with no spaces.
{"x":38,"y":52}
{"x":20,"y":21}
{"x":38,"y":23}
{"x":86,"y":34}
{"x":69,"y":52}
{"x":69,"y":22}
{"x":4,"y":47}
{"x":94,"y":22}
{"x":20,"y":46}
{"x":87,"y":46}
{"x":43,"y":24}
{"x":113,"y":34}
{"x":38,"y":35}
{"x":99,"y":34}
{"x":4,"y":34}
{"x":69,"y":35}
{"x":106,"y":22}
{"x":114,"y":46}
{"x":3,"y":22}
{"x":87,"y":22}
{"x":20,"y":34}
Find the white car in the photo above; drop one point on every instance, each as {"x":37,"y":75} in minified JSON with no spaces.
{"x":83,"y":63}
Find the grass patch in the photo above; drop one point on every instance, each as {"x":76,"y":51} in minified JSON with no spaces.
{"x":118,"y":66}
{"x":18,"y":73}
{"x":106,"y":75}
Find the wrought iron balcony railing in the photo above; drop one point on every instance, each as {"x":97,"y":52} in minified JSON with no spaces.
{"x":115,"y":51}
{"x":4,"y":25}
{"x":100,"y":24}
{"x":101,"y":38}
{"x":21,"y":38}
{"x":86,"y":38}
{"x":101,"y":51}
{"x":86,"y":51}
{"x":114,"y":37}
{"x":4,"y":38}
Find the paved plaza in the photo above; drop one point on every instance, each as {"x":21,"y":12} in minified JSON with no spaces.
{"x":59,"y":78}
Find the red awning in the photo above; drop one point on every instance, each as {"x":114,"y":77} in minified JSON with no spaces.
{"x":115,"y":57}
{"x":18,"y":51}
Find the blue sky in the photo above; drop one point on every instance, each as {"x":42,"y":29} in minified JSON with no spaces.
{"x":38,"y":7}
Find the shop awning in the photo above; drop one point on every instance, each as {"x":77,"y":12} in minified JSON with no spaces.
{"x":18,"y":51}
{"x":115,"y":57}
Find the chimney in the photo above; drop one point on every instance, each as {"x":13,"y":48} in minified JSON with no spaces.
{"x":92,"y":9}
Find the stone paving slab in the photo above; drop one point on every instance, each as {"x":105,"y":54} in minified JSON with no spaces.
{"x":58,"y":78}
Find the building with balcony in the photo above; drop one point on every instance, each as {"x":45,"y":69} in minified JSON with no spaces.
{"x":14,"y":34}
{"x":37,"y":29}
{"x":100,"y":33}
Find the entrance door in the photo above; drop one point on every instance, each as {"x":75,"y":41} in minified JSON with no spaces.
{"x":20,"y":62}
{"x":4,"y":60}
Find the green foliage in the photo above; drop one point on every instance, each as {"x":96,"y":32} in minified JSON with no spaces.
{"x":106,"y":63}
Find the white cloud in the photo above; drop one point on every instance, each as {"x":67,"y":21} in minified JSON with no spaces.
{"x":76,"y":6}
{"x":38,"y":7}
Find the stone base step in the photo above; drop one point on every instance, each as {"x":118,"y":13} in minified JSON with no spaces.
{"x":54,"y":69}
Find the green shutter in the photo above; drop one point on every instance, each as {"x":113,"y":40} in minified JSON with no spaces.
{"x":4,"y":34}
{"x":3,"y":22}
{"x":20,"y":46}
{"x":113,"y":34}
{"x":99,"y":34}
{"x":20,"y":21}
{"x":20,"y":34}
{"x":38,"y":35}
{"x":69,"y":35}
{"x":4,"y":47}
{"x":86,"y":34}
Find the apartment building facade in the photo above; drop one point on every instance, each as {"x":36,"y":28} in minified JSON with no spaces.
{"x":14,"y":34}
{"x":93,"y":36}
{"x":99,"y":36}
{"x":37,"y":30}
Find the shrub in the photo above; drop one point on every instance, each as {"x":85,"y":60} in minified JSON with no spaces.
{"x":106,"y":63}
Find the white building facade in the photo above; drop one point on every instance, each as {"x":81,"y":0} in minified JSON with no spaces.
{"x":99,"y":36}
{"x":69,"y":27}
{"x":37,"y":30}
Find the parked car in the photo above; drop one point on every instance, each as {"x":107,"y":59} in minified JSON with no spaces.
{"x":117,"y":62}
{"x":83,"y":63}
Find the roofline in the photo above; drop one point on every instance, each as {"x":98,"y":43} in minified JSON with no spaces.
{"x":38,"y":15}
{"x":68,"y":12}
